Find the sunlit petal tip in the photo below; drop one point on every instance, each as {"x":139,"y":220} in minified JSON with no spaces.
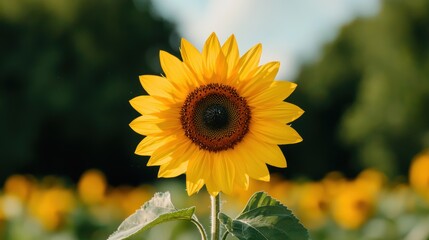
{"x":166,"y":58}
{"x":151,"y":164}
{"x":190,"y":191}
{"x":292,"y":85}
{"x":212,"y":41}
{"x":212,"y":193}
{"x":255,"y":52}
{"x":162,"y":56}
{"x":250,"y":61}
{"x":169,"y":63}
{"x":231,"y":41}
{"x":163,"y":53}
{"x":265,"y":178}
{"x":160,"y":174}
{"x":298,"y":138}
{"x":136,"y":103}
{"x":194,"y":187}
{"x":192,"y":57}
{"x":135,"y":106}
{"x":257,"y":49}
{"x":142,"y":79}
{"x":246,"y":183}
{"x":148,"y":145}
{"x":187,"y":50}
{"x":135,"y":126}
{"x":213,"y":36}
{"x":210,"y":55}
{"x":137,"y":152}
{"x":276,"y":65}
{"x":280,"y":162}
{"x":172,"y":169}
{"x":212,"y":189}
{"x":300,"y":112}
{"x":160,"y":156}
{"x":157,"y":162}
{"x":184,"y":43}
{"x":156,"y":85}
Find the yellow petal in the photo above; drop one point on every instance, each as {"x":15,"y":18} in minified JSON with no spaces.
{"x":172,"y":111}
{"x":278,"y":91}
{"x":224,"y":173}
{"x":170,"y":124}
{"x":173,"y":168}
{"x":176,"y":72}
{"x":192,"y":58}
{"x":257,"y":170}
{"x":269,"y":153}
{"x":241,"y":180}
{"x":163,"y":154}
{"x":156,"y":86}
{"x":147,"y":104}
{"x":194,"y":187}
{"x":230,"y":50}
{"x":146,"y":125}
{"x":260,"y":81}
{"x":211,"y":182}
{"x":275,"y":156}
{"x":254,"y":165}
{"x":195,"y":173}
{"x":221,"y":69}
{"x":249,"y":61}
{"x":148,"y":145}
{"x":211,"y":51}
{"x":274,"y":132}
{"x":180,"y":158}
{"x":283,"y":112}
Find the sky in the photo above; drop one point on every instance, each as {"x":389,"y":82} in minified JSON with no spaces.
{"x":291,"y":31}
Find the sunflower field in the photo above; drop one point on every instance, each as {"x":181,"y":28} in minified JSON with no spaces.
{"x":366,"y":207}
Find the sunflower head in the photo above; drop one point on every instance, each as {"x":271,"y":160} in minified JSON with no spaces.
{"x":216,"y":116}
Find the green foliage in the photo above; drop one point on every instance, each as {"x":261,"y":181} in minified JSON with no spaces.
{"x":156,"y":211}
{"x":67,"y":72}
{"x":366,"y":98}
{"x":264,"y":218}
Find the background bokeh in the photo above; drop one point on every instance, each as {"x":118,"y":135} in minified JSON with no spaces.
{"x":69,"y":68}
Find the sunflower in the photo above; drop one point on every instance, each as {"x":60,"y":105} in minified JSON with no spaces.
{"x":215,"y":116}
{"x":419,"y":176}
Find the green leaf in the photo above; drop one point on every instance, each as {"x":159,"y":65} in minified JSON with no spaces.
{"x":157,"y":210}
{"x":265,"y":218}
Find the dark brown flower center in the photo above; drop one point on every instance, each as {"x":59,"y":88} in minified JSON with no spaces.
{"x":215,"y":117}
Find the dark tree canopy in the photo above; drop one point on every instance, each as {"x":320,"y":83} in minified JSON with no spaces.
{"x":68,"y":70}
{"x":367,"y":97}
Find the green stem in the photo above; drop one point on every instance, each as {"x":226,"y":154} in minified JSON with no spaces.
{"x":200,"y":228}
{"x":215,"y":209}
{"x":225,"y":235}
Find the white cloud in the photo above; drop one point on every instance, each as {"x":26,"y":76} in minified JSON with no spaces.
{"x":290,"y":31}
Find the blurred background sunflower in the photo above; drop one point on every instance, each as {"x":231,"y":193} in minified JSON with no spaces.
{"x":68,"y":68}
